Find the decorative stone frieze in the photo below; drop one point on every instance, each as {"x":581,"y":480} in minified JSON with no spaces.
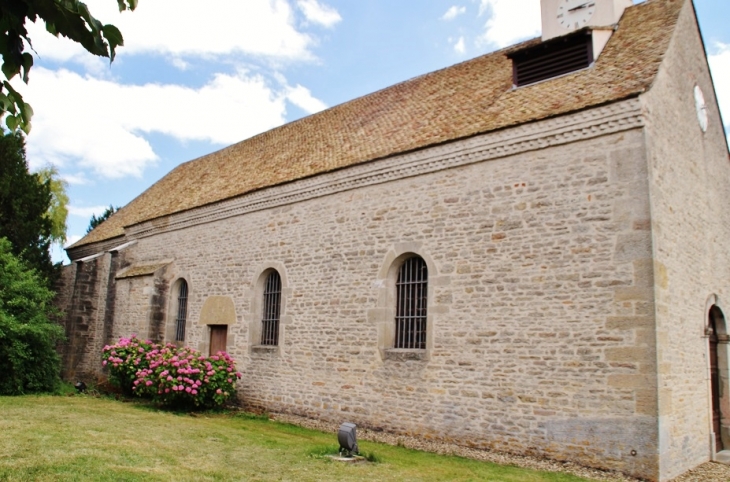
{"x":586,"y":124}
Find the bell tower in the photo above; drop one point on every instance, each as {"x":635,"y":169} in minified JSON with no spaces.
{"x":561,"y":17}
{"x":574,"y":33}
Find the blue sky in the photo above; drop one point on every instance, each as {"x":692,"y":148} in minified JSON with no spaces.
{"x":196,"y":76}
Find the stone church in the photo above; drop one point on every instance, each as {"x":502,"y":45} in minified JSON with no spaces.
{"x":525,"y":252}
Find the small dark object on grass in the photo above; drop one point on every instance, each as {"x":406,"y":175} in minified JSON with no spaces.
{"x":371,"y":457}
{"x":80,"y":387}
{"x":347,"y":438}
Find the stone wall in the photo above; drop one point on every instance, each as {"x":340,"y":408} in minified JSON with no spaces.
{"x":689,"y":173}
{"x":111,"y":292}
{"x":133,"y":307}
{"x":64,"y":295}
{"x":83,"y":302}
{"x":541,"y":316}
{"x":86,"y":295}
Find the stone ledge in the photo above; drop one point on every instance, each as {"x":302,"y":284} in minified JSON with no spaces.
{"x":264,"y":349}
{"x":404,"y":354}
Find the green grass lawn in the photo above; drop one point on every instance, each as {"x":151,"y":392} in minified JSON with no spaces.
{"x":85,"y":438}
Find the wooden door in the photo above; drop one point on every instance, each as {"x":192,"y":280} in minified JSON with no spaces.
{"x":218,"y":337}
{"x":715,"y":382}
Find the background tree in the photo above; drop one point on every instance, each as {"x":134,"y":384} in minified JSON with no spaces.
{"x":28,"y":335}
{"x":69,"y":18}
{"x":95,"y":221}
{"x":58,"y":208}
{"x":25,"y":200}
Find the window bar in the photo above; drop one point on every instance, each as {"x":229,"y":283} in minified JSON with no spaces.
{"x":409,"y":310}
{"x":422,"y":297}
{"x":411,"y":302}
{"x":267,"y":312}
{"x":398,"y":310}
{"x":264,"y":308}
{"x":182,"y":308}
{"x":401,"y":309}
{"x":404,"y":310}
{"x":417,"y":288}
{"x":414,"y":304}
{"x":277,"y":308}
{"x":271,"y":309}
{"x":269,"y":320}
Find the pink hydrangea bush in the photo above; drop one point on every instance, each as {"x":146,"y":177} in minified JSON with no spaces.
{"x":177,"y":377}
{"x":125,"y":359}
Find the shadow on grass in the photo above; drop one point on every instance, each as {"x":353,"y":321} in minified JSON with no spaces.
{"x":261,"y":417}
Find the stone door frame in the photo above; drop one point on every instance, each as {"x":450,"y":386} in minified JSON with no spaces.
{"x":716,"y":329}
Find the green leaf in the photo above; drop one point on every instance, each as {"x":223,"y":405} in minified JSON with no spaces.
{"x":26,"y":111}
{"x":4,"y":102}
{"x":10,"y":68}
{"x":51,"y":28}
{"x":12,"y":122}
{"x":83,"y":10}
{"x":114,"y":37}
{"x":12,"y":93}
{"x":27,"y":64}
{"x":92,"y":22}
{"x":123,"y":5}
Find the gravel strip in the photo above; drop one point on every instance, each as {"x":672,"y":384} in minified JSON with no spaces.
{"x":709,"y":472}
{"x":452,"y":449}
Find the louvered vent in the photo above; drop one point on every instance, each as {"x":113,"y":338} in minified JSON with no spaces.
{"x":550,"y":59}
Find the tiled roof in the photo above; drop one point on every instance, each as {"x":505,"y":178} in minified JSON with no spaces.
{"x":141,"y":270}
{"x":469,"y":98}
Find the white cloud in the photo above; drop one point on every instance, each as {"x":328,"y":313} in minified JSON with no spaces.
{"x":181,"y":28}
{"x":71,"y":240}
{"x":99,"y":124}
{"x":459,"y":46}
{"x":317,"y":13}
{"x":89,"y":122}
{"x":179,"y":63}
{"x":86,"y":212}
{"x":510,"y":21}
{"x":720,"y":67}
{"x":453,"y":12}
{"x":302,"y":98}
{"x":77,"y":179}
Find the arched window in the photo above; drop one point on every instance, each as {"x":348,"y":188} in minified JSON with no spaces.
{"x":271,"y":309}
{"x":411,"y":302}
{"x":182,"y":310}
